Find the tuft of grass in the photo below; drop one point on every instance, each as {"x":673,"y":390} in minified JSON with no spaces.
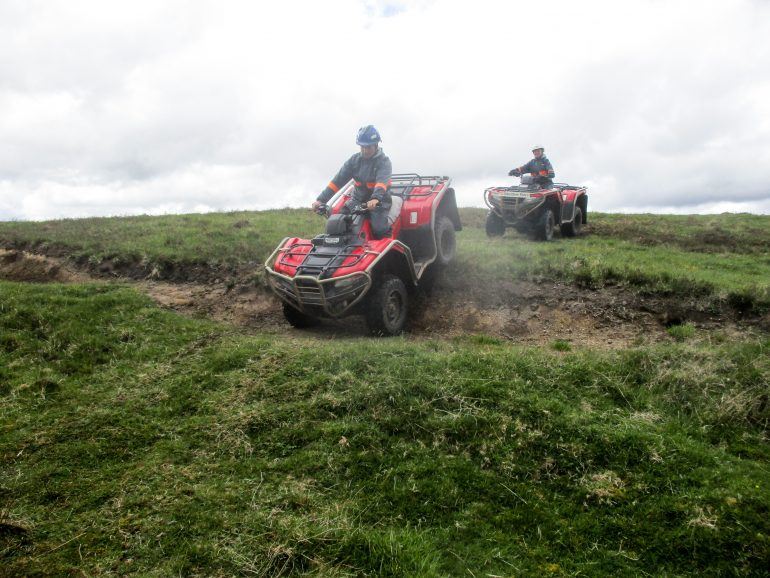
{"x":479,"y":339}
{"x":561,"y":345}
{"x":682,"y":332}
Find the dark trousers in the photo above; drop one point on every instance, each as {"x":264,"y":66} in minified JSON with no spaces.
{"x":378,"y":216}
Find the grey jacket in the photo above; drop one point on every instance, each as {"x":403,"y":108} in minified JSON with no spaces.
{"x":371,"y":178}
{"x":539,"y":168}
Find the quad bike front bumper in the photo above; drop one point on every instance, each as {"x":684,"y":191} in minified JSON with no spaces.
{"x":332,"y":297}
{"x":513,"y":206}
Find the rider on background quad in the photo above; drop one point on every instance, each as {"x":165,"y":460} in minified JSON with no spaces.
{"x":539,"y":167}
{"x":370,"y":170}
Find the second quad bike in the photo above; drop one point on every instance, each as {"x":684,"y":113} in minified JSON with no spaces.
{"x":346,"y":271}
{"x":535,"y":210}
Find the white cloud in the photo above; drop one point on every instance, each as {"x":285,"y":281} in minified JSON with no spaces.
{"x":119,"y":108}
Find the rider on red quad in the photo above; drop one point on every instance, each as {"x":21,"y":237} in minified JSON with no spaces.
{"x":539,"y":167}
{"x":370,"y":170}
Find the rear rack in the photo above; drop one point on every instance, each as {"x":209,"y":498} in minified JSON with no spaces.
{"x":562,"y":186}
{"x":408,"y":181}
{"x":405,"y":183}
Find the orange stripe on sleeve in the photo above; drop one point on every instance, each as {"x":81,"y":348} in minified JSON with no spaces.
{"x":333,"y":187}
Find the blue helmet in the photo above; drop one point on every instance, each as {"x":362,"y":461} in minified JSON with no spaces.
{"x":367,"y":135}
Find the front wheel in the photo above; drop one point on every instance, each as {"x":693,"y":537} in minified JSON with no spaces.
{"x":386,"y":309}
{"x":297,"y":319}
{"x":573,"y":229}
{"x":545,"y":226}
{"x":495,"y":226}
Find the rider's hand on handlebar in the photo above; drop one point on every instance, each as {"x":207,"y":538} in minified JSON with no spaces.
{"x":320,"y":208}
{"x":372,"y":203}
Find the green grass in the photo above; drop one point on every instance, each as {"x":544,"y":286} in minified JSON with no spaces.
{"x":723,"y":258}
{"x":682,"y":332}
{"x":594,"y":260}
{"x":561,"y":345}
{"x":137,"y":442}
{"x":214,"y":239}
{"x":728,"y":232}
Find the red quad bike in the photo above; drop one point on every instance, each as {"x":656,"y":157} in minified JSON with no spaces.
{"x":531,"y":209}
{"x":347,"y":272}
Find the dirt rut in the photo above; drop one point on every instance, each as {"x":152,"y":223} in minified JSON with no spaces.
{"x":518,"y":311}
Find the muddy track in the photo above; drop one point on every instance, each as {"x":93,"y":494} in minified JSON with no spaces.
{"x":519,"y":311}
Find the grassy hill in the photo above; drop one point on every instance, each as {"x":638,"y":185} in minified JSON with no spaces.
{"x":724,"y":257}
{"x":135,"y":441}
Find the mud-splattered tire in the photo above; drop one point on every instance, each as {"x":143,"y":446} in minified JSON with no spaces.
{"x":446,"y":244}
{"x":387,"y":307}
{"x":545,"y":226}
{"x":298,"y":319}
{"x":494,"y":225}
{"x":573,"y":228}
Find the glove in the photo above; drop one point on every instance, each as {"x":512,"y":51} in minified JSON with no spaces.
{"x":514,"y":173}
{"x":322,"y":209}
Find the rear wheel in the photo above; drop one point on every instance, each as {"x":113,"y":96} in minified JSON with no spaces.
{"x":545,"y":226}
{"x":297,"y":319}
{"x":495,"y":226}
{"x":573,"y":229}
{"x":387,"y":307}
{"x":446,"y":245}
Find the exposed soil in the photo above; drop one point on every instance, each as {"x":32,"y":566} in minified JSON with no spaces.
{"x":520,"y":311}
{"x":243,"y":305}
{"x":536,"y":313}
{"x":110,"y":268}
{"x":20,"y":266}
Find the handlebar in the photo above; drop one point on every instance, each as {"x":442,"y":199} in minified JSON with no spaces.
{"x":361,"y":209}
{"x":326,"y":211}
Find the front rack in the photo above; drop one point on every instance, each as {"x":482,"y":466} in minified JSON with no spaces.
{"x":288,"y":252}
{"x":516,"y":189}
{"x":537,"y":188}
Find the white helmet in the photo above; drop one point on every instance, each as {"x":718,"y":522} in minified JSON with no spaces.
{"x":541,"y":147}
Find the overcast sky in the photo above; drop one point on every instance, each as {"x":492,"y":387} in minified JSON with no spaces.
{"x":165,"y":106}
